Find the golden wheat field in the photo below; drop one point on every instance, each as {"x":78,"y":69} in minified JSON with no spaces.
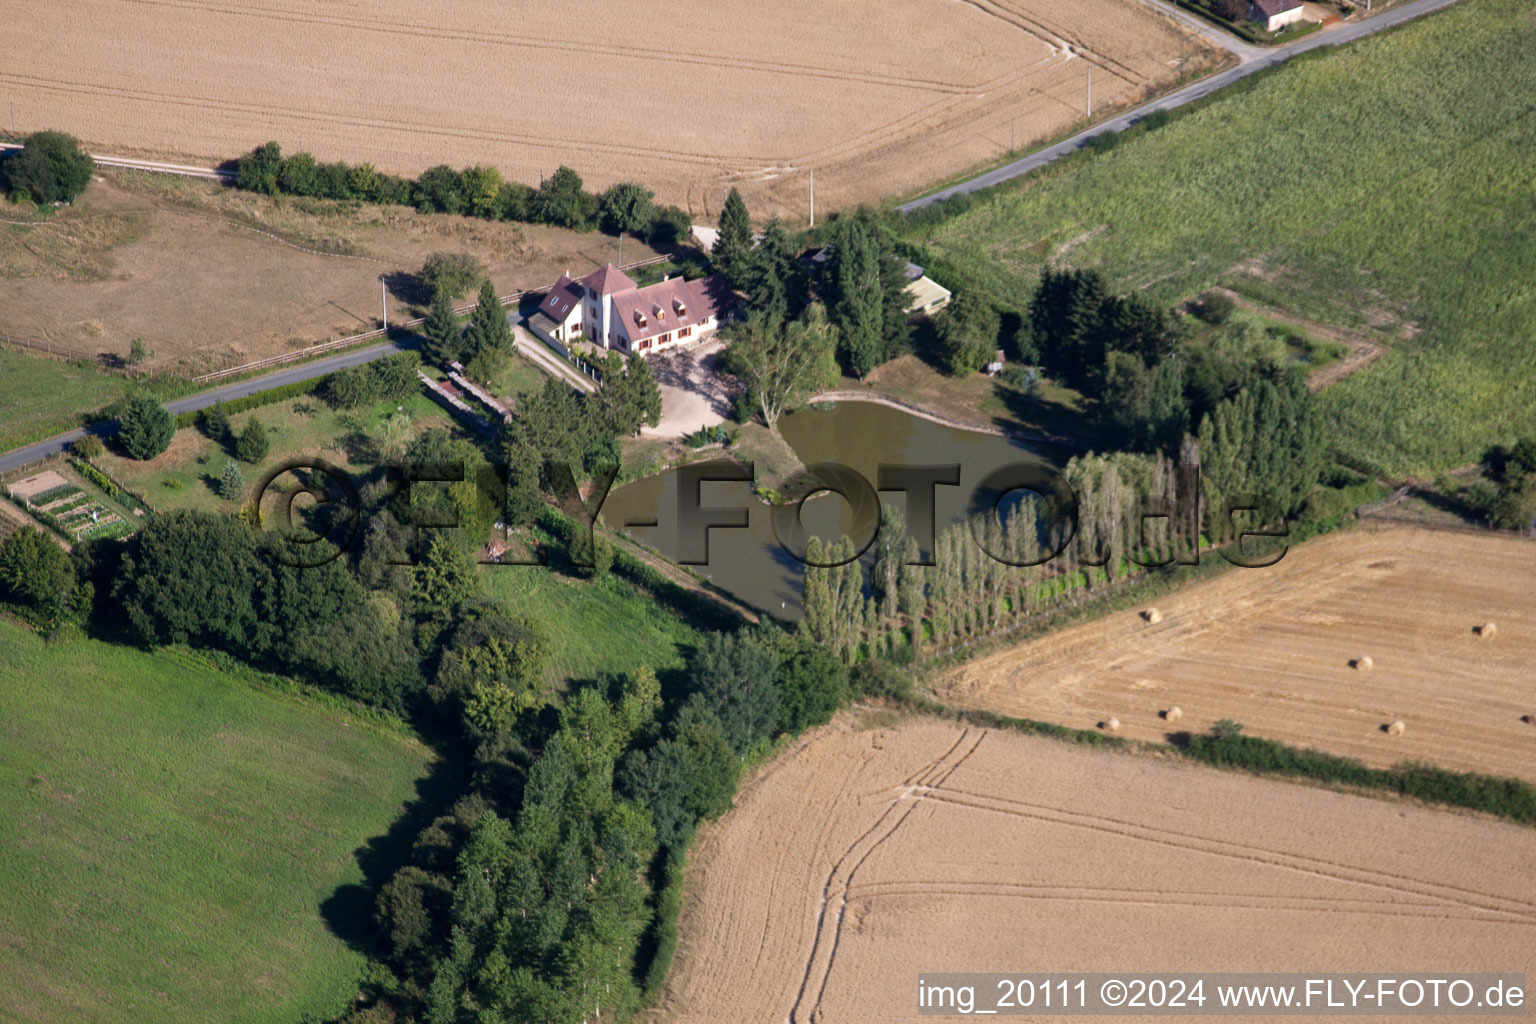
{"x":689,"y":96}
{"x":1273,"y":648}
{"x":863,"y":857}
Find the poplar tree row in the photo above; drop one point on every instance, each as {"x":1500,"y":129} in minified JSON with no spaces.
{"x":882,"y":603}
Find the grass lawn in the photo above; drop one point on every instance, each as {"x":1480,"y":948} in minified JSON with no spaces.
{"x":42,"y":397}
{"x":1385,"y":187}
{"x":592,"y":626}
{"x":184,"y":475}
{"x":976,"y":399}
{"x":171,"y":831}
{"x":516,"y":376}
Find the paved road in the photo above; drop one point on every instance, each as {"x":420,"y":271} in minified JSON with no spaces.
{"x":529,"y":345}
{"x":1252,"y":59}
{"x":203,"y":399}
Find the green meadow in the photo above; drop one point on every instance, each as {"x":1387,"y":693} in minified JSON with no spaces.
{"x":40,"y":397}
{"x":592,"y":627}
{"x":1388,"y":187}
{"x":171,"y":831}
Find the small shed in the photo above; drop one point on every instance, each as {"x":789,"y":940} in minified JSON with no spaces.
{"x":1276,"y":14}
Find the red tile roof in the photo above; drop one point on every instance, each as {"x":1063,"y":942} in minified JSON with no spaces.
{"x":608,"y":280}
{"x":668,"y":305}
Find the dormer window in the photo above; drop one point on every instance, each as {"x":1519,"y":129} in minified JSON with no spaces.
{"x":680,"y":306}
{"x":639,"y":318}
{"x":661,"y":314}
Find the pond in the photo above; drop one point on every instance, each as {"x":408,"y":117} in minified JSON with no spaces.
{"x":863,"y":436}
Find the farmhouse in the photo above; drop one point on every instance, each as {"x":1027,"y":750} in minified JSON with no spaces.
{"x":607,"y":309}
{"x":1275,"y":14}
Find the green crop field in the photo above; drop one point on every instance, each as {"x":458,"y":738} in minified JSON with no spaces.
{"x":170,"y":833}
{"x":1386,"y":187}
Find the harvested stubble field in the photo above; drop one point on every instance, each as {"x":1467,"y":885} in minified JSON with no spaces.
{"x":211,"y":277}
{"x":1272,"y":648}
{"x":879,"y":96}
{"x":861,"y":858}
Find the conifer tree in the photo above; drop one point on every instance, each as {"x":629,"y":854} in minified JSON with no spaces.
{"x":733,"y":247}
{"x":444,"y":340}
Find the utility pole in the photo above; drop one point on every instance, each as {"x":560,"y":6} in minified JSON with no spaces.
{"x":384,"y":303}
{"x":1089,"y":107}
{"x":813,"y":197}
{"x":1011,"y":147}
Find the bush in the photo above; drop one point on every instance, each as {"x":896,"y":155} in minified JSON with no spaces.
{"x":1215,"y":307}
{"x":671,"y":227}
{"x":394,"y":376}
{"x":877,"y":678}
{"x":1104,"y":141}
{"x":98,"y":478}
{"x":52,"y":168}
{"x":351,"y":387}
{"x":1227,"y":747}
{"x":1479,"y":498}
{"x":453,"y":273}
{"x":815,"y":685}
{"x":1155,"y":119}
{"x":268,"y":397}
{"x":88,"y":447}
{"x":146,"y":428}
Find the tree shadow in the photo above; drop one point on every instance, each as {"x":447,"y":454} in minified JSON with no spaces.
{"x":408,"y":287}
{"x":348,"y":911}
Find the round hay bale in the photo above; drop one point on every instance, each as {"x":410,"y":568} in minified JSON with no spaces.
{"x":1111,"y":725}
{"x":1173,"y":714}
{"x":1397,"y":728}
{"x":1364,"y":663}
{"x":1152,"y":615}
{"x":1487,"y":631}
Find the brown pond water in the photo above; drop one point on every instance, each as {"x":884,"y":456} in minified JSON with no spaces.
{"x":750,"y":562}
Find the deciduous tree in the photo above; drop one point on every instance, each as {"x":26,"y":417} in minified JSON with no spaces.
{"x":783,"y":364}
{"x":50,"y":168}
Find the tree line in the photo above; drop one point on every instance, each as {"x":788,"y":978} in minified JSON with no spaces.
{"x":479,"y":191}
{"x":992,"y":572}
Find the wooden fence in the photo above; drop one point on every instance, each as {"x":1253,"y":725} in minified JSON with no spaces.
{"x":377,"y":333}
